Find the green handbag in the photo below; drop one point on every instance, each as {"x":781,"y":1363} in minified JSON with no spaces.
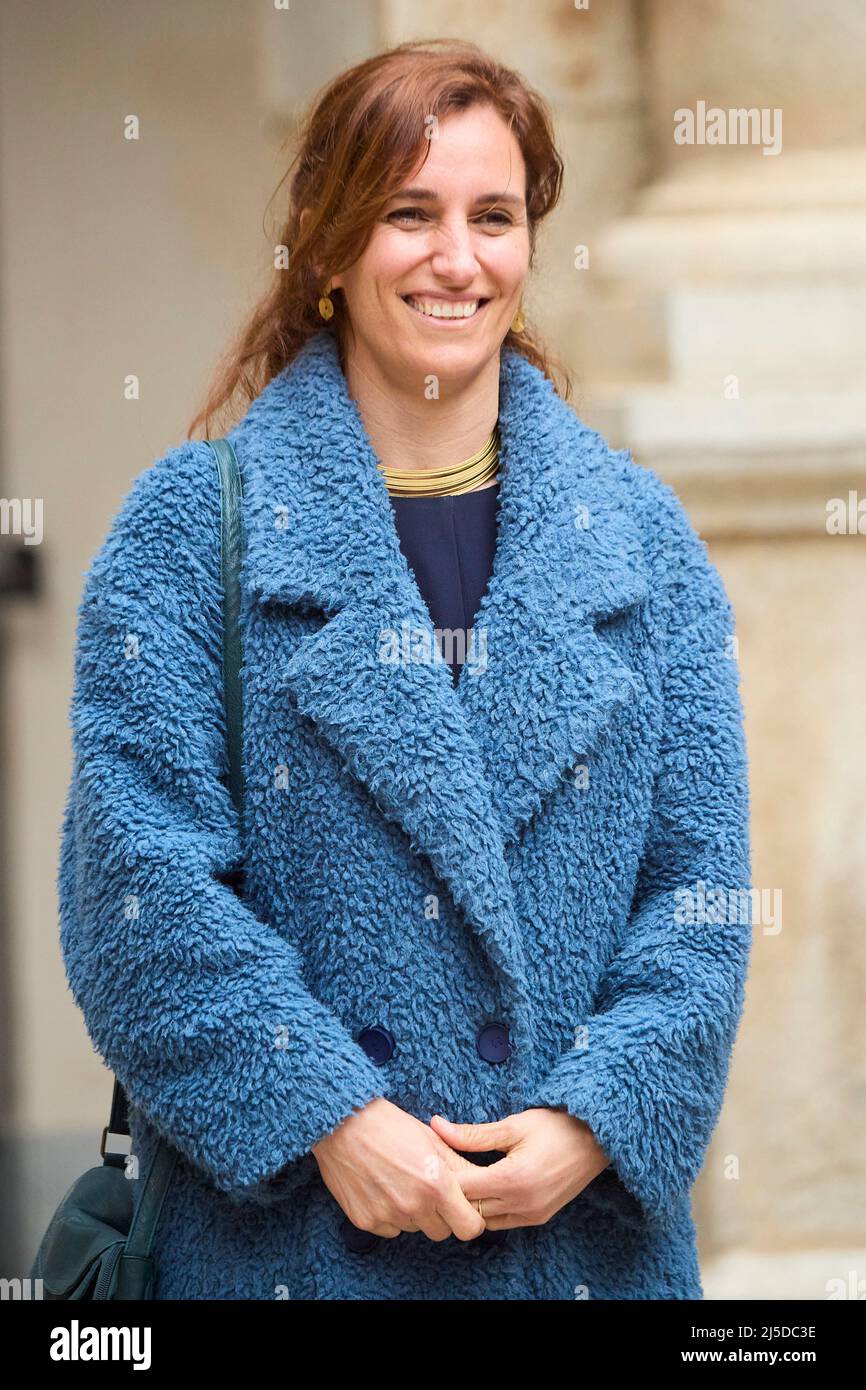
{"x":98,"y":1246}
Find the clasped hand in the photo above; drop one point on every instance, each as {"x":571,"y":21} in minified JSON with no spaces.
{"x":390,"y":1172}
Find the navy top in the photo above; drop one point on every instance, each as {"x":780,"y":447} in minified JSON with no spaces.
{"x":449,"y":543}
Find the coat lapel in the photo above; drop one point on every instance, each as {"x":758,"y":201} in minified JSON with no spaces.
{"x":461,"y":771}
{"x":568,"y":555}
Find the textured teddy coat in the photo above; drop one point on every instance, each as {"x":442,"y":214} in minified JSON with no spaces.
{"x":558,"y":845}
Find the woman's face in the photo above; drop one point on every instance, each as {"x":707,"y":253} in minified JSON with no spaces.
{"x":442,"y":245}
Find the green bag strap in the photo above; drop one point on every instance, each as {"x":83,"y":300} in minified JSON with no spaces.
{"x":142,"y":1230}
{"x":231,"y":493}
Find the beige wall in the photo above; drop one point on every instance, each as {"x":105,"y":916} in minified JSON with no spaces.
{"x":806,"y":59}
{"x":794,"y":1113}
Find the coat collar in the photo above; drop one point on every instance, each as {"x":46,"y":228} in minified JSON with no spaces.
{"x":461,"y":770}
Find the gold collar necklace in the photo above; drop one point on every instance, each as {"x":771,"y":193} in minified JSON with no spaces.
{"x":445,"y":482}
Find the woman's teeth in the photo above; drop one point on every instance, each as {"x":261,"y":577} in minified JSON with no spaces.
{"x":441,"y":309}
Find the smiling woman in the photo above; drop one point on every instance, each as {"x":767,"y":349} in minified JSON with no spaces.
{"x":457,"y":258}
{"x":455,"y":1040}
{"x":425,"y":171}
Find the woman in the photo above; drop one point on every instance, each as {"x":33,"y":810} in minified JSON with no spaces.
{"x":465,"y":1034}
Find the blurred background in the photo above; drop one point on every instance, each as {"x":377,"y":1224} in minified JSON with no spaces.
{"x":711,"y":301}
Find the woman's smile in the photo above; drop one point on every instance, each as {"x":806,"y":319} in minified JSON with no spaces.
{"x":440,"y":311}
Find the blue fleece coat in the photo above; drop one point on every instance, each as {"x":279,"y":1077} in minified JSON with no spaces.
{"x":553,"y":846}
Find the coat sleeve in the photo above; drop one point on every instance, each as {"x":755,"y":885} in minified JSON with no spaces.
{"x":649,"y":1074}
{"x":196,"y":1004}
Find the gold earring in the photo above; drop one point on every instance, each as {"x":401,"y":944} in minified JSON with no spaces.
{"x":518,"y":323}
{"x":326,"y":304}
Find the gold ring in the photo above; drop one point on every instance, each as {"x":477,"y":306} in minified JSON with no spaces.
{"x":479,"y":1205}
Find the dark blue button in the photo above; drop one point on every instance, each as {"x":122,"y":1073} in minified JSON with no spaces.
{"x":493,"y":1044}
{"x":356,"y":1240}
{"x":378,"y":1043}
{"x":492,"y":1237}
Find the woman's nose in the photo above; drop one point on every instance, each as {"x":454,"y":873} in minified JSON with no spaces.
{"x":454,"y":256}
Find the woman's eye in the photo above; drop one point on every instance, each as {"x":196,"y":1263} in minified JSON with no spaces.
{"x":405,"y":214}
{"x":495,"y":216}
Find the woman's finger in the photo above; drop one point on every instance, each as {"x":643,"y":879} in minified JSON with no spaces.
{"x":462,"y":1217}
{"x":483,"y":1138}
{"x":505,"y":1222}
{"x":435,"y":1227}
{"x":488,"y":1182}
{"x":492,"y":1206}
{"x":387,"y":1231}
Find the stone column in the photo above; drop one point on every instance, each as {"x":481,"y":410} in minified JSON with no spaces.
{"x":729,"y":306}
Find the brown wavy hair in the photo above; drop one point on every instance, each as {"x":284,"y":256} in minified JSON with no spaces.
{"x":360,"y":140}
